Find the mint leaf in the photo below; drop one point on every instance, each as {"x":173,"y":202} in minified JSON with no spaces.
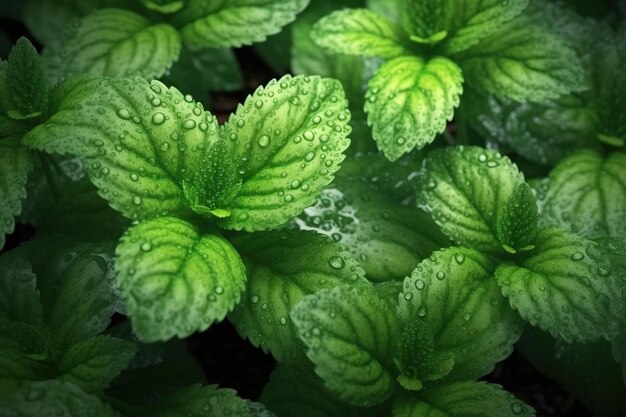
{"x":197,"y":401}
{"x":236,"y":22}
{"x":524,"y":62}
{"x":475,"y":20}
{"x":135,"y":48}
{"x":386,"y":238}
{"x":93,"y":363}
{"x":146,"y":143}
{"x":586,"y":193}
{"x":472,"y":194}
{"x":473,"y":330}
{"x":281,"y":271}
{"x":15,"y":165}
{"x":350,"y":334}
{"x":57,"y":398}
{"x":174,"y":280}
{"x":563,"y":286}
{"x":461,"y":399}
{"x":164,"y":6}
{"x":409,"y":101}
{"x":282,"y":148}
{"x":391,"y":9}
{"x":423,"y":20}
{"x":17,"y":365}
{"x":293,"y":391}
{"x":26,"y":79}
{"x":360,"y":32}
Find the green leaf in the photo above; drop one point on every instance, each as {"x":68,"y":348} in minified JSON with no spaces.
{"x":281,"y":271}
{"x":16,"y":365}
{"x":164,"y":6}
{"x":47,"y":20}
{"x":26,"y":79}
{"x":93,"y":363}
{"x":146,"y":143}
{"x":409,"y":101}
{"x":472,"y":194}
{"x":115,"y":43}
{"x":518,"y":226}
{"x":174,"y":280}
{"x":360,"y":32}
{"x":386,"y":238}
{"x":523,"y":62}
{"x":540,"y":132}
{"x":197,"y":401}
{"x":293,"y":391}
{"x":467,"y":25}
{"x":209,"y":69}
{"x":15,"y":165}
{"x":563,"y":286}
{"x":391,"y":9}
{"x":61,"y":399}
{"x":234,"y":22}
{"x":465,"y":336}
{"x":350,"y":334}
{"x":586,"y":193}
{"x":461,"y":399}
{"x":423,"y":20}
{"x":282,"y":148}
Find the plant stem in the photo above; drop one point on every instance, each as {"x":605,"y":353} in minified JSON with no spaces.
{"x":45,"y":163}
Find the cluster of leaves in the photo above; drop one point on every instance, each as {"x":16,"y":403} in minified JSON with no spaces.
{"x":380,"y":288}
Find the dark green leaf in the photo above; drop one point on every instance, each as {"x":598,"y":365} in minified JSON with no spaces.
{"x":26,"y":80}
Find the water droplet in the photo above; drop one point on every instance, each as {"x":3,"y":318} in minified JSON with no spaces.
{"x":134,"y":177}
{"x":165,"y":146}
{"x":419,"y":284}
{"x":258,"y":104}
{"x":283,"y":320}
{"x":421,"y":311}
{"x":577,"y":256}
{"x":203,"y":126}
{"x":188,"y":98}
{"x":295,"y":184}
{"x":189,"y":124}
{"x":241,"y":123}
{"x":492,"y":164}
{"x":408,"y":296}
{"x":146,"y":246}
{"x":308,"y":135}
{"x":467,"y":316}
{"x":264,"y":141}
{"x":482,"y":157}
{"x":254,"y":299}
{"x":440,"y":275}
{"x":137,"y":201}
{"x":158,"y":118}
{"x":459,"y":258}
{"x":336,"y":262}
{"x":219,"y":290}
{"x":316,"y":331}
{"x":516,"y":407}
{"x":123,"y":114}
{"x":309,"y":156}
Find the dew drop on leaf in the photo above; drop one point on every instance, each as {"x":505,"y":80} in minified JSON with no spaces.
{"x":264,"y":141}
{"x":336,"y":262}
{"x":158,"y":118}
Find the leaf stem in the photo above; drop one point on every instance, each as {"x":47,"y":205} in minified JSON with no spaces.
{"x":45,"y":163}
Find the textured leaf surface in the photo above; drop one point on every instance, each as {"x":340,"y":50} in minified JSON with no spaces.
{"x":522,"y":62}
{"x":164,"y":6}
{"x":386,"y":238}
{"x":350,"y":334}
{"x":283,"y":146}
{"x":461,"y":399}
{"x":197,"y":401}
{"x":146,"y":142}
{"x":476,"y":19}
{"x":282,"y":270}
{"x":15,"y":165}
{"x":468,"y":191}
{"x":26,"y":79}
{"x":235,"y":22}
{"x":92,"y":364}
{"x":586,"y":193}
{"x":409,"y":101}
{"x":57,"y":398}
{"x":174,"y":280}
{"x":563,"y":286}
{"x":473,"y":329}
{"x":360,"y":32}
{"x":115,"y":43}
{"x":293,"y":391}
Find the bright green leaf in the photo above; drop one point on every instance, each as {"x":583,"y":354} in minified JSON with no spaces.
{"x":563,"y":286}
{"x":54,"y":398}
{"x":174,"y":280}
{"x":115,"y":43}
{"x":461,"y":399}
{"x":523,"y":62}
{"x":281,"y":271}
{"x":474,"y":329}
{"x":234,"y":22}
{"x":295,"y":391}
{"x":422,"y":19}
{"x":472,"y":194}
{"x":387,"y":239}
{"x":198,"y":401}
{"x":164,"y":6}
{"x":518,"y":224}
{"x":474,"y":20}
{"x":586,"y":193}
{"x":15,"y":165}
{"x":93,"y":363}
{"x":350,"y":334}
{"x":26,"y":79}
{"x":409,"y":101}
{"x":146,"y":143}
{"x":281,"y":147}
{"x":360,"y":32}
